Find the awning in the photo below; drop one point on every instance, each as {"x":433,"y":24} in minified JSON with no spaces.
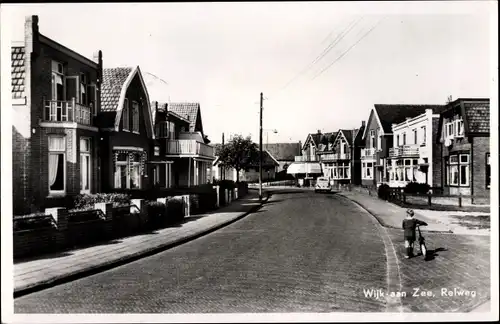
{"x":301,"y":167}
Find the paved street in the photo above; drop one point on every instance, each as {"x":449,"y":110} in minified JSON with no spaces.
{"x":301,"y":252}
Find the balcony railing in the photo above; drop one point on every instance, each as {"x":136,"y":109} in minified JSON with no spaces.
{"x":368,"y":153}
{"x":67,"y":111}
{"x":335,"y":156}
{"x":305,"y":158}
{"x":188,"y":147}
{"x":404,"y":151}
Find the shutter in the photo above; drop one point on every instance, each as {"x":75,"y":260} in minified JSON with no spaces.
{"x":72,"y":88}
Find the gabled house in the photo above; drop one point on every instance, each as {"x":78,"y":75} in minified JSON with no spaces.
{"x":307,"y":164}
{"x":342,"y":164}
{"x":249,"y":174}
{"x":126,"y":144}
{"x":378,"y":138}
{"x":182,"y":141}
{"x":284,"y":153}
{"x":55,"y":98}
{"x":414,"y":156}
{"x":464,"y":133}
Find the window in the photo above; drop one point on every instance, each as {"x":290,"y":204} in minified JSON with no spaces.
{"x":127,"y":171}
{"x":415,"y":138}
{"x":85,"y":165}
{"x":457,"y":170}
{"x":459,"y":127}
{"x":488,"y":171}
{"x":424,"y":135}
{"x":171,"y":130}
{"x":367,"y":170}
{"x":404,"y":138}
{"x":372,"y":138}
{"x":57,"y":164}
{"x":157,"y":151}
{"x":125,"y":116}
{"x":156,"y":175}
{"x":135,"y":117}
{"x":83,"y":89}
{"x":379,"y":142}
{"x":397,"y":140}
{"x":57,"y":81}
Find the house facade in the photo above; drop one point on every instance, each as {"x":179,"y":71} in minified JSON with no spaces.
{"x":284,"y":153}
{"x":307,"y":165}
{"x":414,"y":156}
{"x":125,"y":120}
{"x":464,"y":133}
{"x":55,"y":94}
{"x":342,"y":162}
{"x":251,"y":173}
{"x":183,"y":142}
{"x":378,"y":139}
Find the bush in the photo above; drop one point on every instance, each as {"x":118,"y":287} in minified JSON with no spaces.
{"x":89,"y":200}
{"x":175,"y":209}
{"x":383,"y":191}
{"x":207,"y":201}
{"x":417,"y":188}
{"x":157,"y":212}
{"x":84,"y":215}
{"x":225,"y":184}
{"x":32,"y":221}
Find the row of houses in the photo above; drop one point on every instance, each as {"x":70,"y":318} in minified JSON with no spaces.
{"x":445,"y":146}
{"x":81,"y":128}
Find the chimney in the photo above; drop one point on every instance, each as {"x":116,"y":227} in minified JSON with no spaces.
{"x":319,"y":131}
{"x":31,"y":35}
{"x":363,"y":123}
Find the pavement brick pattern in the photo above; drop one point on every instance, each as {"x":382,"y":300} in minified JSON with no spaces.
{"x":300,"y":252}
{"x":460,"y":262}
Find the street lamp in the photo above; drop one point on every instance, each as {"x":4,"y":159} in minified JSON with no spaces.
{"x":267,"y":134}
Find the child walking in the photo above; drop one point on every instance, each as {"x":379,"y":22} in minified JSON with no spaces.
{"x":410,"y":225}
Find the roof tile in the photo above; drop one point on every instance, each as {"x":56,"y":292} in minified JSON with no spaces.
{"x":17,"y":72}
{"x":478,"y":117}
{"x":189,"y":110}
{"x":113,"y":80}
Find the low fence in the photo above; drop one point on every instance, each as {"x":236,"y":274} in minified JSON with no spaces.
{"x":60,"y":228}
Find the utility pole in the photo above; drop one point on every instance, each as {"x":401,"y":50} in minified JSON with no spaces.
{"x":223,"y":169}
{"x":260,"y":147}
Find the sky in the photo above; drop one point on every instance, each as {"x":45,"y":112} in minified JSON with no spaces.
{"x":223,"y":55}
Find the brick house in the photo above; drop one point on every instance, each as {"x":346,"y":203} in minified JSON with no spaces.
{"x":378,"y":138}
{"x":183,"y":143}
{"x":464,"y":133}
{"x":342,"y":162}
{"x":126,"y":143}
{"x":55,"y":94}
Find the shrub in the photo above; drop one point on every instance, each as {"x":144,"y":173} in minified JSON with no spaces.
{"x":226,"y":184}
{"x":157,"y":212}
{"x":175,"y":209}
{"x":417,"y":188}
{"x":383,"y":191}
{"x":89,"y":200}
{"x":32,"y":221}
{"x":84,"y":215}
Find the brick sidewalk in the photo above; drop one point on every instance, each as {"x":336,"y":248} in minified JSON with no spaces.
{"x":391,"y":215}
{"x":51,"y":269}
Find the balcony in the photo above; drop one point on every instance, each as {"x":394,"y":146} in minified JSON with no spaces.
{"x":188,"y":148}
{"x":67,"y":111}
{"x":404,"y":151}
{"x":368,"y":153}
{"x":305,"y":158}
{"x":335,"y":156}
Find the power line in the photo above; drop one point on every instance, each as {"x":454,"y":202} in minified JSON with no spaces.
{"x":347,"y":51}
{"x":158,"y":78}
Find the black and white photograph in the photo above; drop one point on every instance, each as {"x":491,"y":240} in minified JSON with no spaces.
{"x":249,"y":161}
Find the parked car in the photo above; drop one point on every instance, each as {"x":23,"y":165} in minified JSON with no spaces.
{"x":323,"y":184}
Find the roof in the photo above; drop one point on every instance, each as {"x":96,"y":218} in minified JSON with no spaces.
{"x":349,"y":134}
{"x":112,"y":84}
{"x":18,"y":56}
{"x":267,"y":159}
{"x":393,"y":114}
{"x":189,"y":110}
{"x":283,"y":151}
{"x":478,"y":116}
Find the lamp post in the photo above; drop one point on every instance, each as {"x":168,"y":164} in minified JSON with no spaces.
{"x":267,"y":134}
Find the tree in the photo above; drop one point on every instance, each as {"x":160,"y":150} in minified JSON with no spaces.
{"x":239,"y":153}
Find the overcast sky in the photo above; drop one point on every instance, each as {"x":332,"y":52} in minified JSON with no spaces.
{"x":223,"y":55}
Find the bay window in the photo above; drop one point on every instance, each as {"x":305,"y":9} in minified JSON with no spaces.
{"x":57,"y":164}
{"x":85,"y":165}
{"x":128,"y":170}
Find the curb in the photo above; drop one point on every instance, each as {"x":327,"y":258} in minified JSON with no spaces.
{"x":65,"y":278}
{"x":383,"y":223}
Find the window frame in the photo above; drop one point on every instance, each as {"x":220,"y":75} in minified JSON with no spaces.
{"x":54,"y":73}
{"x":126,"y":116}
{"x":129,"y":165}
{"x":62,"y":151}
{"x":424,"y":135}
{"x":84,"y":154}
{"x":454,"y":164}
{"x":135,"y":117}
